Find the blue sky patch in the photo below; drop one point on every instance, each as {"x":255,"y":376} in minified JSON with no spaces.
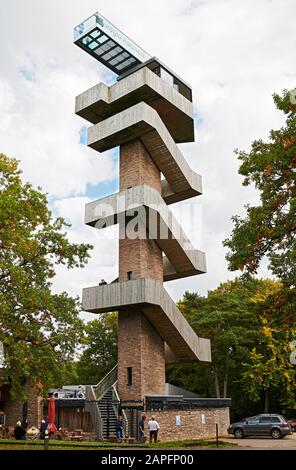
{"x":83,"y":135}
{"x":27,"y":74}
{"x":102,"y":189}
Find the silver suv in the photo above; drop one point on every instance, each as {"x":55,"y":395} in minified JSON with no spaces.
{"x":261,"y":425}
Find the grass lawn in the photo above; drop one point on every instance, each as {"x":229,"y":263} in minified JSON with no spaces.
{"x":9,"y":444}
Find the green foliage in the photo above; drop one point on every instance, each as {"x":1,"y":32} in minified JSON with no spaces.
{"x":239,"y":317}
{"x":269,"y":229}
{"x":39,"y":329}
{"x":100,"y":349}
{"x":269,"y":367}
{"x":228,"y":318}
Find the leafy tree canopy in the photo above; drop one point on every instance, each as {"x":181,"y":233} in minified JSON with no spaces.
{"x":269,"y":229}
{"x":100,"y":349}
{"x":39,"y":329}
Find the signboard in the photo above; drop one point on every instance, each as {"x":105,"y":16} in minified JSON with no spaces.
{"x":203,"y":419}
{"x":122,"y":39}
{"x":178,"y":420}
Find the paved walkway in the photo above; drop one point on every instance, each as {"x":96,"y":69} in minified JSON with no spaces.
{"x":263,"y":443}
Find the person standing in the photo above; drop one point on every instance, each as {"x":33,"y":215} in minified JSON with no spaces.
{"x":119,"y":429}
{"x":43,"y":428}
{"x":142,"y":427}
{"x":19,"y":432}
{"x":153,"y":428}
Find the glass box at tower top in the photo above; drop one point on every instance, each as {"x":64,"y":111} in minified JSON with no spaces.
{"x":109,"y":45}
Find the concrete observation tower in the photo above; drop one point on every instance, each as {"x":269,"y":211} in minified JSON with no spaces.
{"x":146,"y":112}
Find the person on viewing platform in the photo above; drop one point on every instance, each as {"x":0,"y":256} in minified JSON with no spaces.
{"x":153,"y":428}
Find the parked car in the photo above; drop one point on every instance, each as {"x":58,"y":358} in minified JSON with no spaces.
{"x":261,"y":425}
{"x":292,"y":423}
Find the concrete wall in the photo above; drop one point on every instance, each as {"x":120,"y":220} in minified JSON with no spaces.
{"x":143,"y":122}
{"x":101,"y":101}
{"x":158,"y":307}
{"x":142,"y":202}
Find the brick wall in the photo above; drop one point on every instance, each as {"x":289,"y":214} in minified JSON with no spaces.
{"x":137,"y":167}
{"x":139,"y":347}
{"x":153,"y":360}
{"x":142,"y":257}
{"x":14,"y":409}
{"x":191,"y":423}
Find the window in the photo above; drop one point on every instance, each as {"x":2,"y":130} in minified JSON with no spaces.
{"x":95,"y":34}
{"x":275,"y":419}
{"x":254,"y":420}
{"x":102,"y":39}
{"x":265,"y":419}
{"x":93,"y":45}
{"x":130,"y":275}
{"x":129,"y":376}
{"x":110,"y":54}
{"x":86,"y":40}
{"x":123,"y":64}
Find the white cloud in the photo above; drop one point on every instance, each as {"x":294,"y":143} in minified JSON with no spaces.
{"x":235,"y":54}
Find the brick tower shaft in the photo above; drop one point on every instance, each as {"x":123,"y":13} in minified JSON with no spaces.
{"x":140,"y":347}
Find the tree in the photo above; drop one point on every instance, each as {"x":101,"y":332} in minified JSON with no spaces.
{"x":100,"y":349}
{"x":39,"y":330}
{"x":228,"y":318}
{"x":269,"y":229}
{"x":233,"y":317}
{"x":269,"y":368}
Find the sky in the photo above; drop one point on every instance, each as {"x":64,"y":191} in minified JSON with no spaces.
{"x":234,"y":53}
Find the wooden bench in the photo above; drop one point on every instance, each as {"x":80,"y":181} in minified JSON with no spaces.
{"x":128,"y":440}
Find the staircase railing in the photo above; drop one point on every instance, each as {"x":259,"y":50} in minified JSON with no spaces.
{"x":125,"y":420}
{"x":105,"y":383}
{"x":94,"y":411}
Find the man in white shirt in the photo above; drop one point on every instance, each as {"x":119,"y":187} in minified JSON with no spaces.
{"x":153,"y":428}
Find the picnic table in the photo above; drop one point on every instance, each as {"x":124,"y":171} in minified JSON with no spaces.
{"x":128,"y":440}
{"x":77,"y":438}
{"x":77,"y":435}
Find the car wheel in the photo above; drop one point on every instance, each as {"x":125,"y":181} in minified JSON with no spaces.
{"x":238,"y":433}
{"x":276,"y":434}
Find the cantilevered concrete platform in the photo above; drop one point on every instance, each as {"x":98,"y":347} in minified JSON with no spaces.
{"x":151,"y":297}
{"x":142,"y":122}
{"x":159,"y":222}
{"x":100,"y":102}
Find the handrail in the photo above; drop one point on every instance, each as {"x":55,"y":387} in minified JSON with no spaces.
{"x":105,"y":383}
{"x":92,"y":406}
{"x":125,"y":420}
